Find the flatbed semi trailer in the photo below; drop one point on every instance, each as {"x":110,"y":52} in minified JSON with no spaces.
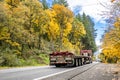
{"x":69,"y":59}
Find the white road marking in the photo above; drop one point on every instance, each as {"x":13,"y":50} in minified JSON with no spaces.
{"x":40,"y":78}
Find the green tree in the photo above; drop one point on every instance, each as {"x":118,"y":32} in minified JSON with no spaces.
{"x":77,"y":32}
{"x":61,"y":2}
{"x":45,"y":4}
{"x":89,"y":39}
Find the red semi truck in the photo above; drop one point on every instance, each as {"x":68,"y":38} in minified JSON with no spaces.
{"x":70,"y":59}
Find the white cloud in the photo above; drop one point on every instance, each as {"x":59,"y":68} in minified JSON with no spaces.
{"x":92,"y":8}
{"x":98,"y":43}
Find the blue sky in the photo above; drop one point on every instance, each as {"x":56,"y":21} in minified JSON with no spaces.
{"x":101,"y":27}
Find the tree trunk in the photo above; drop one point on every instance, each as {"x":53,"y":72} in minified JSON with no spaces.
{"x":61,"y":38}
{"x":52,"y":44}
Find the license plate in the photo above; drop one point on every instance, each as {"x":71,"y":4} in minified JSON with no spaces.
{"x":60,"y":59}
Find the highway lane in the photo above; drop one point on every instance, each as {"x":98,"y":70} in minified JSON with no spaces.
{"x":68,"y":75}
{"x":99,"y":71}
{"x":36,"y":73}
{"x":29,"y":73}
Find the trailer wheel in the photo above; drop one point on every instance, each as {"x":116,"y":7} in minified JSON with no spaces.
{"x":76,"y":62}
{"x":80,"y":62}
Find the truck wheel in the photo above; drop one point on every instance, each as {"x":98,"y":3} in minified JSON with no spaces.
{"x":57,"y":65}
{"x":90,"y":61}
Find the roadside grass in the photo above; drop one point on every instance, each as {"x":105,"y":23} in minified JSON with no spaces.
{"x":4,"y":67}
{"x":39,"y":60}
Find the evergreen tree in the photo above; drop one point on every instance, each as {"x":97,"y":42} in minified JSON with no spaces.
{"x":89,"y":39}
{"x":45,"y":4}
{"x":61,"y":2}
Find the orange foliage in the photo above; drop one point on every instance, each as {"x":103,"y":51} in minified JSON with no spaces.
{"x":112,"y":1}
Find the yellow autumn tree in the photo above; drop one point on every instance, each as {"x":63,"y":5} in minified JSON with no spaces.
{"x":75,"y":35}
{"x":52,"y":28}
{"x":13,"y":3}
{"x":67,"y":45}
{"x":64,"y":18}
{"x":111,"y":40}
{"x":117,"y":23}
{"x":111,"y":44}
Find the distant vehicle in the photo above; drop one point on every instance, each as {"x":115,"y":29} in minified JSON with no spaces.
{"x":70,"y":59}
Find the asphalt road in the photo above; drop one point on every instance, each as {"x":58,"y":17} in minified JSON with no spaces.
{"x":69,"y":75}
{"x":99,"y":71}
{"x":33,"y":73}
{"x":29,"y":73}
{"x":94,"y":71}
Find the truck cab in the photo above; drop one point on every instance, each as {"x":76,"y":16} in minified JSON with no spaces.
{"x":87,"y":56}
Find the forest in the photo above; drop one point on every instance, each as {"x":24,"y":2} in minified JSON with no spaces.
{"x":31,"y":29}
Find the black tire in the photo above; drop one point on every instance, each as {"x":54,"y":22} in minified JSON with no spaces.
{"x":57,"y":65}
{"x":80,"y":62}
{"x":76,"y":62}
{"x":84,"y":62}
